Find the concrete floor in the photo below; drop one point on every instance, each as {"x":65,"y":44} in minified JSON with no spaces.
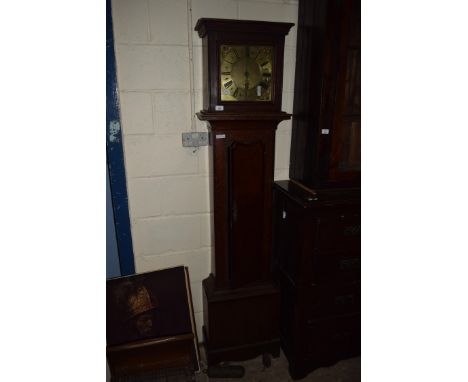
{"x":344,"y":371}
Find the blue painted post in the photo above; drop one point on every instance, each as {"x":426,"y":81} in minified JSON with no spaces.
{"x":115,"y":159}
{"x":112,"y":252}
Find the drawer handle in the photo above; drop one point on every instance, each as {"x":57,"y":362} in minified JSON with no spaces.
{"x":347,"y":299}
{"x":341,"y":336}
{"x":352,"y":230}
{"x":348,"y":264}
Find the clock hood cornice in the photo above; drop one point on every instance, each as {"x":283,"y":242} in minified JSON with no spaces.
{"x":230,"y":25}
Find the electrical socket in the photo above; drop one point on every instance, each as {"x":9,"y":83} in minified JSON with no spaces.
{"x":194,"y":139}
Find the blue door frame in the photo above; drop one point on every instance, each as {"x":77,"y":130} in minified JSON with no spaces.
{"x":115,"y":159}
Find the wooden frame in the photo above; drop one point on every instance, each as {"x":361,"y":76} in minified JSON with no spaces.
{"x":216,"y":32}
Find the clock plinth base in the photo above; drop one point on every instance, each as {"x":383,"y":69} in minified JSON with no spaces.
{"x":240,"y":323}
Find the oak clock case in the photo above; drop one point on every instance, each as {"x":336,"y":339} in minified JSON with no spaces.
{"x":242,"y":69}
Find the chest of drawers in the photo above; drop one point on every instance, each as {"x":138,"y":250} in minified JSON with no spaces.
{"x":317,"y":267}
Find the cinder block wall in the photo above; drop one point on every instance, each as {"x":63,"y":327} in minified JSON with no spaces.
{"x":167,"y":183}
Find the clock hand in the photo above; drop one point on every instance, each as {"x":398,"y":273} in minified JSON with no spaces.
{"x":246,"y":83}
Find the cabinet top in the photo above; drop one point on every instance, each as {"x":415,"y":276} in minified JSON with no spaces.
{"x":310,"y":198}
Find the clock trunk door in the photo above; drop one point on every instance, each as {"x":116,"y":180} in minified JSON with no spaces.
{"x":248,"y":160}
{"x":247,"y":171}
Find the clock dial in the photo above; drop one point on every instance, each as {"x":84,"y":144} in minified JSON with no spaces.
{"x":246,"y":72}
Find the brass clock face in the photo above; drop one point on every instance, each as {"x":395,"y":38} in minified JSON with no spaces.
{"x":245,"y":72}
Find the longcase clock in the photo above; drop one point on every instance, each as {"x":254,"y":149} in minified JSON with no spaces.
{"x":243,"y":70}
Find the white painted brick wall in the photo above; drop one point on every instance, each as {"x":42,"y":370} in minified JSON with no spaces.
{"x":131,"y":21}
{"x":168,"y":21}
{"x":168,"y":185}
{"x":138,"y":116}
{"x":171,"y":112}
{"x":152,"y":67}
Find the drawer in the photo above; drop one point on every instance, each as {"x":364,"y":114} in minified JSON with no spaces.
{"x":333,"y":299}
{"x":332,"y":338}
{"x":340,"y":268}
{"x":339,"y":232}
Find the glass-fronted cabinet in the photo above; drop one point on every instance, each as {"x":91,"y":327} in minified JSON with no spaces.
{"x":326,"y":134}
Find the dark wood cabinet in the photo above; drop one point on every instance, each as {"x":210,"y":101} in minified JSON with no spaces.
{"x":317,"y":213}
{"x":317,"y":266}
{"x":326,"y":135}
